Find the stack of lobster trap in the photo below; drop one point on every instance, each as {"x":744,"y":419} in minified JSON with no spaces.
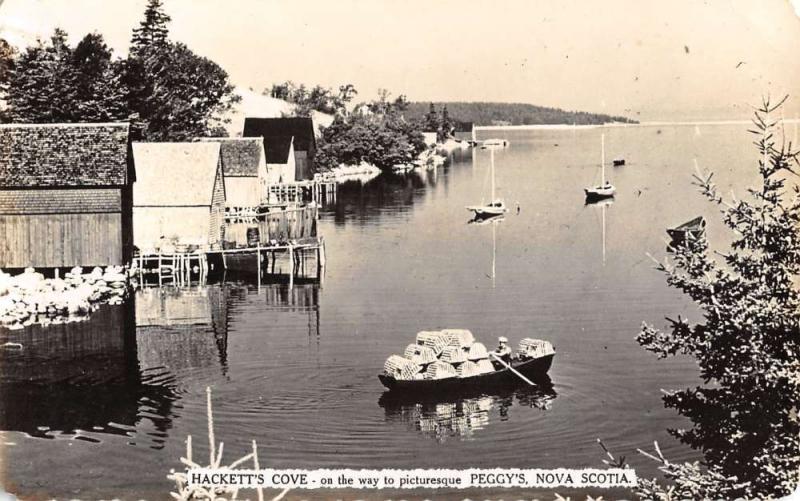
{"x":440,"y":354}
{"x":452,"y":353}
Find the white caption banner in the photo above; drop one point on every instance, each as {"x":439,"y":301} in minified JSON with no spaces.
{"x":413,"y":479}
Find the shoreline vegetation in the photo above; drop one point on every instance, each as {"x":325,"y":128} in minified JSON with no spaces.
{"x":493,"y":113}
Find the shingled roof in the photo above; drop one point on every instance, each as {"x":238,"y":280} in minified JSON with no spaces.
{"x":63,"y":155}
{"x":175,"y":174}
{"x":277,"y":149}
{"x":300,"y":127}
{"x":240,"y":155}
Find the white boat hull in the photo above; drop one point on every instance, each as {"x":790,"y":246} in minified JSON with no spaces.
{"x":494,"y":143}
{"x":600,"y":192}
{"x":487,"y":211}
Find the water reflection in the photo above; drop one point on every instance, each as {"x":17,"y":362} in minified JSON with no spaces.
{"x":443,"y":417}
{"x":361,"y":202}
{"x":601,"y":205}
{"x":124,"y":369}
{"x":493,"y":221}
{"x":180,"y":329}
{"x":81,"y":379}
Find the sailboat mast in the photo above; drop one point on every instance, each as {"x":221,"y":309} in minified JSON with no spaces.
{"x":603,"y":159}
{"x":491,"y":156}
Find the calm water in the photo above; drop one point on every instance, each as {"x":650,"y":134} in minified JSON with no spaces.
{"x":103,"y":408}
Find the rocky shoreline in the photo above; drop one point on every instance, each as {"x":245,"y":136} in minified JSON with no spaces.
{"x":29,"y":298}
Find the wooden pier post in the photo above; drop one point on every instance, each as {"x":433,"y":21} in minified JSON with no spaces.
{"x":291,"y":267}
{"x":321,"y":260}
{"x":258,"y":269}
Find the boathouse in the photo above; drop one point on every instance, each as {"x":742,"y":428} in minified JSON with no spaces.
{"x":464,"y":131}
{"x":281,"y":163}
{"x":65,"y":195}
{"x":299,"y":128}
{"x":179,"y":197}
{"x":244,"y":167}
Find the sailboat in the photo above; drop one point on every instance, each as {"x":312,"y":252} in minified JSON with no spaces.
{"x":495,"y":206}
{"x":605,"y":189}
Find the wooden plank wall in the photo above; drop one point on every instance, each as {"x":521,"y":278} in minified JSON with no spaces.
{"x":60,"y":240}
{"x":288,"y":225}
{"x":216,"y":229}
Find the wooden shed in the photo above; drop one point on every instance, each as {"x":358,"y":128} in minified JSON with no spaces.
{"x":65,"y":195}
{"x":244,"y":167}
{"x":464,"y":131}
{"x":299,"y":128}
{"x":281,"y":164}
{"x":179,"y":196}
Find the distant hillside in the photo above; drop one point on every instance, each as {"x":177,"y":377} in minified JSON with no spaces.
{"x":254,"y":104}
{"x":511,"y":114}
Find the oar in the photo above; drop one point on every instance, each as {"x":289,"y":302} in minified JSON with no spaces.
{"x":515,"y":371}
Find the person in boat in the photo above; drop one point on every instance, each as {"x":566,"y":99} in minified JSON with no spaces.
{"x":503,"y":352}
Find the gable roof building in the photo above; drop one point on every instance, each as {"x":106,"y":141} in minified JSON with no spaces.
{"x":64,"y":155}
{"x":301,"y":129}
{"x":179,"y":195}
{"x":281,"y":163}
{"x":244,"y":167}
{"x":464,"y":130}
{"x":65,"y":195}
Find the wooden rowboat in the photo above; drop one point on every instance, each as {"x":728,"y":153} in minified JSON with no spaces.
{"x":693,"y":229}
{"x":534,"y":369}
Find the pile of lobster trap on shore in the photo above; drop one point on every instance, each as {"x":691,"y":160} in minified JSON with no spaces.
{"x":451,"y":353}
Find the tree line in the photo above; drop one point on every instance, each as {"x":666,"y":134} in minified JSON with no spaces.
{"x":317,"y":98}
{"x":375,"y":132}
{"x":487,"y":113}
{"x":162,"y":87}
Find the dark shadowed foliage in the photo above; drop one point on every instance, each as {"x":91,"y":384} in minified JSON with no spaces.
{"x":744,"y":416}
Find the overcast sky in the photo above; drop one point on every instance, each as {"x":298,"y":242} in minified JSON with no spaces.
{"x":669,"y":60}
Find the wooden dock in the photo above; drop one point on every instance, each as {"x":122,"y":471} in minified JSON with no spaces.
{"x":264,"y":260}
{"x":178,"y":268}
{"x":317,"y":190}
{"x":254,"y":243}
{"x":188,"y":267}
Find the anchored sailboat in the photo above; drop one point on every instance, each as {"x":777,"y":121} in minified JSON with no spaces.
{"x":496,"y":206}
{"x":605,"y":189}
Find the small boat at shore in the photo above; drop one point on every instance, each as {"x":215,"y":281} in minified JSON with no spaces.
{"x":605,"y":189}
{"x":495,"y":207}
{"x":690,"y":229}
{"x":494,"y":143}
